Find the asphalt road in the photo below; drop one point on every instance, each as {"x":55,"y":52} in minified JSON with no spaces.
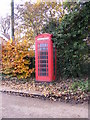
{"x":22,"y":107}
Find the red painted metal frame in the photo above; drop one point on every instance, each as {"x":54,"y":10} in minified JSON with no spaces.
{"x":51,"y":75}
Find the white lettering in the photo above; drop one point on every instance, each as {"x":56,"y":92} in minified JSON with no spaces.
{"x":43,"y":38}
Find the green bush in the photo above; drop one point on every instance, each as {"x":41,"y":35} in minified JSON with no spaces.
{"x":69,"y":35}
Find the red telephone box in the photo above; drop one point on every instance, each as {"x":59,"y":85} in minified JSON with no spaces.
{"x":45,"y":58}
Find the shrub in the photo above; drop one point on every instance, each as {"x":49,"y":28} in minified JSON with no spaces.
{"x":16,"y":59}
{"x":69,"y":36}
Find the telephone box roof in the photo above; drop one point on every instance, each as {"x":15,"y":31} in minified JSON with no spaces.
{"x":44,"y":35}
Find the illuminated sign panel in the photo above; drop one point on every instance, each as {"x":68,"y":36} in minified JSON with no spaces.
{"x":46,"y":38}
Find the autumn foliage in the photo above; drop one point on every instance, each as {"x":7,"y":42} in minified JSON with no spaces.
{"x":16,"y":59}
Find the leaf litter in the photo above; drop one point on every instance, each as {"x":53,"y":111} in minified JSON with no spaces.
{"x":56,"y":91}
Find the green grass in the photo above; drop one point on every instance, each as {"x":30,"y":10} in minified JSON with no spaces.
{"x":82,"y":85}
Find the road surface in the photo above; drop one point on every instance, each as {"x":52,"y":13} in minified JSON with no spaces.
{"x":22,"y":107}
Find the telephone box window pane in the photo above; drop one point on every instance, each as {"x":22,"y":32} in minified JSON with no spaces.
{"x":43,"y":74}
{"x":42,"y":53}
{"x":38,"y":72}
{"x":43,"y":70}
{"x":54,"y":58}
{"x":43,"y":59}
{"x":42,"y":48}
{"x":42,"y":65}
{"x":43,"y":45}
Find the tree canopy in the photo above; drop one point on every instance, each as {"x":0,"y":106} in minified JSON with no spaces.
{"x":5,"y":24}
{"x":35,"y":16}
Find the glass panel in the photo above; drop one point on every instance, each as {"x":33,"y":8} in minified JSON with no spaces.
{"x":43,"y":69}
{"x":42,"y":53}
{"x":38,"y":73}
{"x":42,"y":65}
{"x":43,"y":48}
{"x":43,"y":59}
{"x":54,"y":58}
{"x":42,"y":45}
{"x":43,"y":74}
